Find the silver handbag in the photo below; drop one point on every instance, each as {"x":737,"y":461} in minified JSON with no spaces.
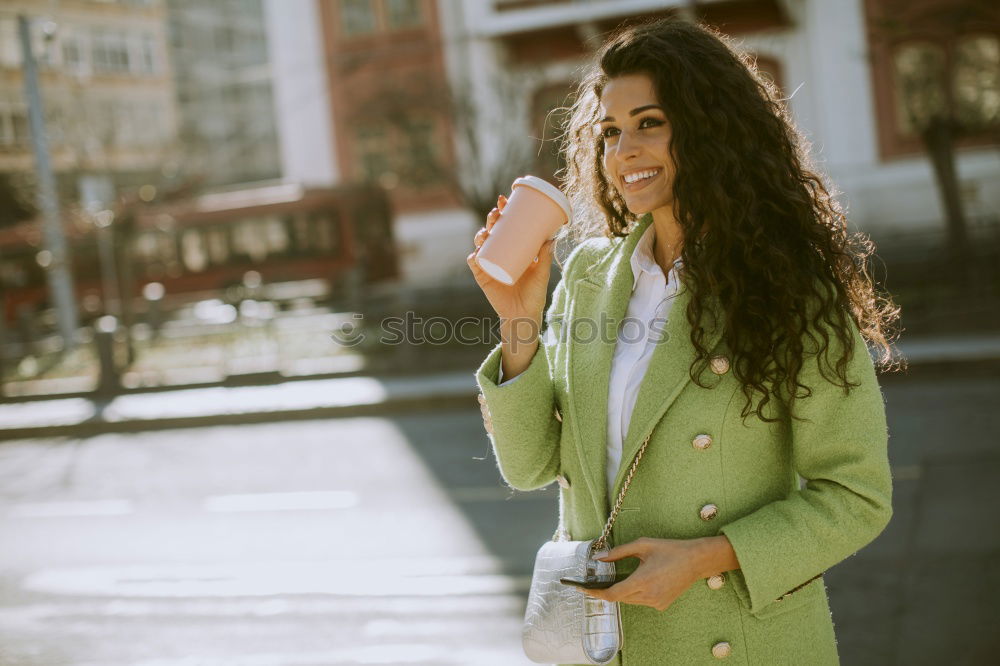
{"x":562,"y":625}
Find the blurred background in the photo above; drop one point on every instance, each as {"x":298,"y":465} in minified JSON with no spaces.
{"x":210,"y":453}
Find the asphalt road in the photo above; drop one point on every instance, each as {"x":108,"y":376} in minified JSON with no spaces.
{"x":392,"y":541}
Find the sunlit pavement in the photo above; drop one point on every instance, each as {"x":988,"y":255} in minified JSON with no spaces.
{"x":391,"y":541}
{"x":313,"y":398}
{"x":316,"y":542}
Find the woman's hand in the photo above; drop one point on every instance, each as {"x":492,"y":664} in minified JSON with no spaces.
{"x":667,"y":568}
{"x":523,"y":300}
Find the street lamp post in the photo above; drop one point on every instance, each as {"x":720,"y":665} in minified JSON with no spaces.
{"x":58,"y":271}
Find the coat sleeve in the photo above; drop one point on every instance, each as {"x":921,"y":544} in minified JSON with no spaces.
{"x":840,"y":449}
{"x":520,"y":415}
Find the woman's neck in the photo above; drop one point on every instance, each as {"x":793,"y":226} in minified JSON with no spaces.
{"x":668,"y":238}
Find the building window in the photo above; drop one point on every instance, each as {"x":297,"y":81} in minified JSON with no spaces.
{"x":373,"y":152}
{"x":10,"y":43}
{"x":72,"y":54}
{"x":919,"y":84}
{"x":422,"y":155}
{"x":926,"y":77}
{"x":933,"y":59}
{"x":110,"y":52}
{"x":357,"y":17}
{"x":14,"y":125}
{"x":402,"y":14}
{"x":977,"y":80}
{"x":404,"y":152}
{"x":147,"y":54}
{"x":366,"y":17}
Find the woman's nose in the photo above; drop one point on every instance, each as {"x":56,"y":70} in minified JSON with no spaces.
{"x":626,"y":146}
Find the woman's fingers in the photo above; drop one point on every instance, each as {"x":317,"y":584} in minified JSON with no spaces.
{"x":635,"y":548}
{"x":480,"y":237}
{"x":492,"y":217}
{"x":617,"y":592}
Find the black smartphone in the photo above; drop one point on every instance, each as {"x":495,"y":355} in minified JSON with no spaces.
{"x":588,"y":584}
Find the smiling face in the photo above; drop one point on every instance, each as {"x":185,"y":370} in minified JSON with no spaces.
{"x":636,"y":136}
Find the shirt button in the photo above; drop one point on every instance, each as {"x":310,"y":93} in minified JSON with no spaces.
{"x":716,"y":582}
{"x":708,"y":512}
{"x":720,"y":365}
{"x":702,"y":442}
{"x":562,"y":481}
{"x":721,"y":650}
{"x":558,"y":415}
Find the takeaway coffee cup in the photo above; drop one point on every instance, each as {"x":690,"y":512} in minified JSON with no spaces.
{"x":534,"y":213}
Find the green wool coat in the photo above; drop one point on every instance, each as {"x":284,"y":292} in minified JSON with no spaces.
{"x":552,"y":421}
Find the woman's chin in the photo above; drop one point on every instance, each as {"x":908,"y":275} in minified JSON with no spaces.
{"x":637,"y":208}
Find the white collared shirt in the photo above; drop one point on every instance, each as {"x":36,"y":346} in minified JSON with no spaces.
{"x":643,"y":326}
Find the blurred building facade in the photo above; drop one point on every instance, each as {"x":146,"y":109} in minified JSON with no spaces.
{"x":444,"y":102}
{"x":853,"y":72}
{"x":226,"y":129}
{"x":108,"y":94}
{"x":366,"y":81}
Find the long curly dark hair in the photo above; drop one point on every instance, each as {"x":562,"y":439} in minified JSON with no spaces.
{"x":764,"y":236}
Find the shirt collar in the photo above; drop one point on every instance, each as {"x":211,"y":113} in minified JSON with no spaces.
{"x":643,"y":260}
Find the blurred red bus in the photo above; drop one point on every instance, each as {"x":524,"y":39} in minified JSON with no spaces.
{"x":200,"y":247}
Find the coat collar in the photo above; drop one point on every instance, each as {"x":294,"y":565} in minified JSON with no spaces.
{"x":601,"y":300}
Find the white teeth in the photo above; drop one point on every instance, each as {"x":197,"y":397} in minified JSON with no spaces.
{"x":634,"y":177}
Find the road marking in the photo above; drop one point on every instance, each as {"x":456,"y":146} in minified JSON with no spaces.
{"x":296,"y":501}
{"x":341,"y":608}
{"x":410,"y":653}
{"x":344,"y":578}
{"x":114,"y":507}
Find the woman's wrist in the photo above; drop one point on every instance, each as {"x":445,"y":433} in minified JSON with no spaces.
{"x":713,"y":555}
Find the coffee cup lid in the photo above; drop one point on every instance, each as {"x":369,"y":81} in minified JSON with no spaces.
{"x":547,"y":189}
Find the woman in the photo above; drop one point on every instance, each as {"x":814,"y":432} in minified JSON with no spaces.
{"x":725,"y":311}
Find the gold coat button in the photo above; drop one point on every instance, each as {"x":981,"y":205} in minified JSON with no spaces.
{"x":702,"y":442}
{"x":716,"y":582}
{"x":720,"y":365}
{"x":708,"y":512}
{"x":562,"y":481}
{"x":721,"y":650}
{"x":558,"y":415}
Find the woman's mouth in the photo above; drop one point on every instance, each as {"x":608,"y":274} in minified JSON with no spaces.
{"x":640,"y":179}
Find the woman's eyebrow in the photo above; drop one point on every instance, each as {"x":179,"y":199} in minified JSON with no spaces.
{"x":638,"y":109}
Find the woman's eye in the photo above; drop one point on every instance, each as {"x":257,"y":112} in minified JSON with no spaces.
{"x":645,"y":123}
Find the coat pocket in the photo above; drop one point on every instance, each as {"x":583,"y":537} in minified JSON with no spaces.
{"x":813,"y":592}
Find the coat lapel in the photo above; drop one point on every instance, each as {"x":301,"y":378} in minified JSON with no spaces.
{"x":601,"y":301}
{"x":668,"y":373}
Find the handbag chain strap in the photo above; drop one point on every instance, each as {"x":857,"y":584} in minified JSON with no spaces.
{"x":602,"y":541}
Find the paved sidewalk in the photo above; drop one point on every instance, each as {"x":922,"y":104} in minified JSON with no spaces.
{"x":318,"y":398}
{"x":336,"y":397}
